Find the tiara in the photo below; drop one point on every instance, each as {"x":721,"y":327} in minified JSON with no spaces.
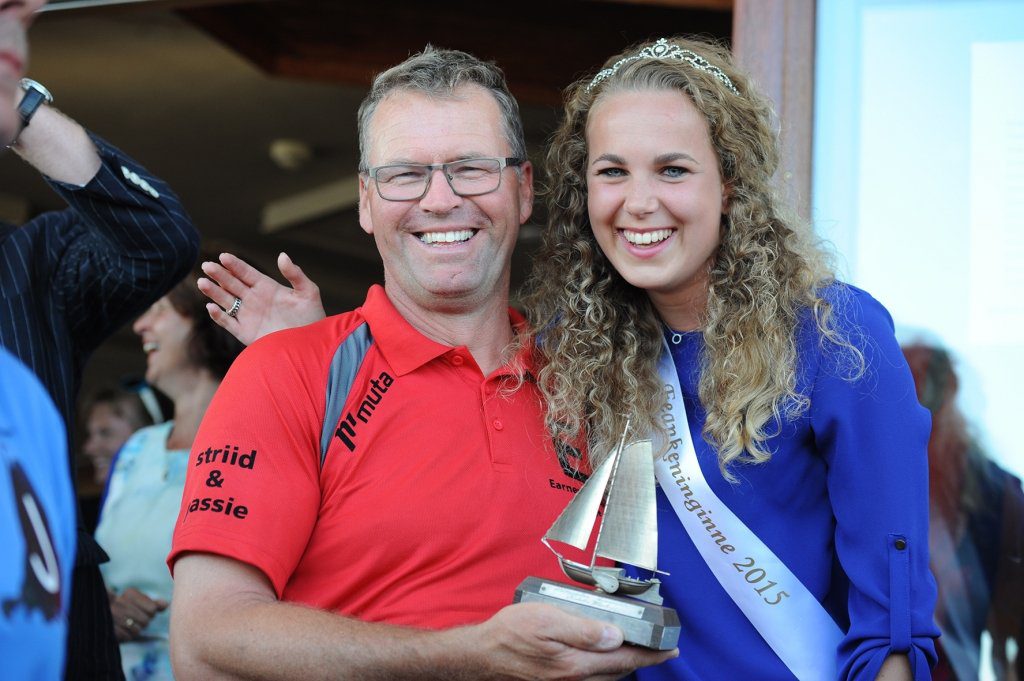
{"x":662,"y":50}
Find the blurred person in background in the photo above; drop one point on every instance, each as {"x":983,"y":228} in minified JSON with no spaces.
{"x":187,"y":355}
{"x":111,"y":415}
{"x":976,"y":536}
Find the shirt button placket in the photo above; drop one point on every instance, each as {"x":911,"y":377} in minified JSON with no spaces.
{"x":495,"y":423}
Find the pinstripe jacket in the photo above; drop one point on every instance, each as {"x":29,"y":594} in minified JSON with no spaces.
{"x":70,"y":278}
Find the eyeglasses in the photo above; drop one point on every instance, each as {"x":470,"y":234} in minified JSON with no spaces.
{"x":468,"y":177}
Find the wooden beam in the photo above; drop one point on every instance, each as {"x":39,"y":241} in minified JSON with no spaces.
{"x":774,"y":41}
{"x":721,"y":5}
{"x":542,"y":46}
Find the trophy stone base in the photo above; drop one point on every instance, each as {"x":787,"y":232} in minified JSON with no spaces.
{"x":642,"y":623}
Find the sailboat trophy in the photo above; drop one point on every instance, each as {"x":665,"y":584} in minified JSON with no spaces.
{"x":628,"y":533}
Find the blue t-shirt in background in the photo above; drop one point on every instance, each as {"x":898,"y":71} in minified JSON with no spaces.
{"x":37,"y":528}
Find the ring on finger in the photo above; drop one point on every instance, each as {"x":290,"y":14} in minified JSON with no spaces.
{"x":129,"y":622}
{"x":235,"y":307}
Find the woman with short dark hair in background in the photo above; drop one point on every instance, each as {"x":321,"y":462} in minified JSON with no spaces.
{"x":187,"y":355}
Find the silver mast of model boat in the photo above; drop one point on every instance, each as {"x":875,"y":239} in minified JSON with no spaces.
{"x":628,"y":530}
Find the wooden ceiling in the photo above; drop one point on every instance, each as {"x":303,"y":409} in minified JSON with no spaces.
{"x":541,"y":45}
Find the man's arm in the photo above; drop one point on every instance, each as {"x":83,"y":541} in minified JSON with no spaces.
{"x":226,"y":623}
{"x":125,"y":241}
{"x":58,"y":147}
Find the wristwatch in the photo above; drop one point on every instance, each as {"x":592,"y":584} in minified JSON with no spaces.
{"x":35,"y":95}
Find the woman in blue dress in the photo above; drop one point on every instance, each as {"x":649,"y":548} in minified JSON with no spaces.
{"x":672,"y":289}
{"x":187,"y":355}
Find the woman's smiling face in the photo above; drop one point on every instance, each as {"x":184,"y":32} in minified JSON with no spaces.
{"x":655,"y":192}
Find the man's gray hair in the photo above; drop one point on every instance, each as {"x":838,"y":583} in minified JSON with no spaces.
{"x":438,"y":73}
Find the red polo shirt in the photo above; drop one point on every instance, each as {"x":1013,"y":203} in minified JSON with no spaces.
{"x":432,"y":519}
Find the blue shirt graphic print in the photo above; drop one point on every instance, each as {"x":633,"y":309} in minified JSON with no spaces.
{"x":37,"y":528}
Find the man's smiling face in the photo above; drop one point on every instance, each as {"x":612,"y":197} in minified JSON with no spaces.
{"x":470,"y":263}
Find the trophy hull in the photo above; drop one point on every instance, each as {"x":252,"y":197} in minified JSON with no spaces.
{"x":643,"y":624}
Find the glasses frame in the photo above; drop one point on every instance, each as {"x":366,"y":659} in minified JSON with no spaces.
{"x":431,"y":168}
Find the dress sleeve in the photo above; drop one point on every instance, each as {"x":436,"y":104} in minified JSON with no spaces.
{"x":252,"y":491}
{"x":874,"y":435}
{"x":132,"y":242}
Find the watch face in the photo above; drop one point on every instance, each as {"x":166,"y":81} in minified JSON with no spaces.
{"x":27,"y":84}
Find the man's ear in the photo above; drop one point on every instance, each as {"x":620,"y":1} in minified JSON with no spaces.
{"x":365,"y":220}
{"x":525,"y":178}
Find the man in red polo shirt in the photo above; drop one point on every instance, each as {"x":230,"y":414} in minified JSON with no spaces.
{"x":419,"y":509}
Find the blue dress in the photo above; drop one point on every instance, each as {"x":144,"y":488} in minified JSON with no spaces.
{"x":135,"y":528}
{"x":844,"y":478}
{"x":37,"y":528}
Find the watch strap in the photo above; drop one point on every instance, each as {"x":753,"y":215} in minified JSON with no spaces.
{"x":31,"y":102}
{"x":35,"y":95}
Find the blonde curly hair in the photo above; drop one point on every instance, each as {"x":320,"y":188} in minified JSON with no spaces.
{"x":600,"y":338}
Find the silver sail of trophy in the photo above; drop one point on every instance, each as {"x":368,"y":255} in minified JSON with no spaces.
{"x":627,"y":532}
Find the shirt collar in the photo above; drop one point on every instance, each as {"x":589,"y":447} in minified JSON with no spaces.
{"x":406,"y":349}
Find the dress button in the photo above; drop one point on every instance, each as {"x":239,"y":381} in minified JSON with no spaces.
{"x":498,"y":425}
{"x":457,"y":360}
{"x":900,"y":544}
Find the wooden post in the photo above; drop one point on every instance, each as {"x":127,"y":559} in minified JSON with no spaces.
{"x":774,"y":41}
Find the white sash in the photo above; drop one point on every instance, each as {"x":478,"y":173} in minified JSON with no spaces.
{"x":788,"y":617}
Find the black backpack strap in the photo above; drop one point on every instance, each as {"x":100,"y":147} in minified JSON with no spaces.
{"x":342,"y":374}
